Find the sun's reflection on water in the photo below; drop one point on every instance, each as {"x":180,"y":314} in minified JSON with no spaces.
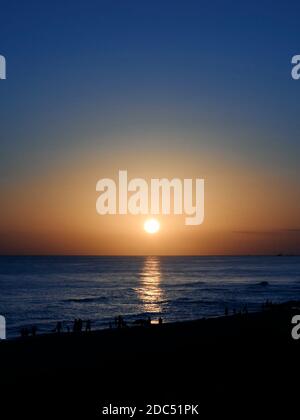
{"x":149,"y":291}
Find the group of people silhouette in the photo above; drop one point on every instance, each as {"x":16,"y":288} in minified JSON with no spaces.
{"x":268,"y":304}
{"x":244,"y":310}
{"x":119,"y":322}
{"x":26,"y":332}
{"x":79,"y":326}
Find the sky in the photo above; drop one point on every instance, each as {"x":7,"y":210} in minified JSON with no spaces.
{"x":160,"y":88}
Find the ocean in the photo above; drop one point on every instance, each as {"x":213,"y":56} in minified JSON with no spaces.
{"x":41,"y":291}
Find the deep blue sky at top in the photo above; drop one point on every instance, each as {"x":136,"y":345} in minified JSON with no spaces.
{"x":214,"y":74}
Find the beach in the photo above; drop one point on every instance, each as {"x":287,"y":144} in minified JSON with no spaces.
{"x":222,"y":363}
{"x":84,"y":334}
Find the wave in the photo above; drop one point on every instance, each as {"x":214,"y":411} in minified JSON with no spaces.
{"x":86,"y":299}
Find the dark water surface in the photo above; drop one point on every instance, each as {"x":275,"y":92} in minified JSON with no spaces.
{"x":43,"y":290}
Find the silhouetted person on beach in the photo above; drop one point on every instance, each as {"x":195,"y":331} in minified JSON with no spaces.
{"x":160,"y":321}
{"x":148,"y":321}
{"x":120,"y":322}
{"x":268,"y":304}
{"x":88,"y":326}
{"x":116,"y":322}
{"x":33,"y":330}
{"x":24,"y":332}
{"x":75,"y":325}
{"x":58,"y":327}
{"x":79,"y":325}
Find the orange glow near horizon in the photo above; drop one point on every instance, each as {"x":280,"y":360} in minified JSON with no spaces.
{"x":247,"y":211}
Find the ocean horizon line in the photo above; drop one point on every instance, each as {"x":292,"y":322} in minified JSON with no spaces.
{"x":151,"y":255}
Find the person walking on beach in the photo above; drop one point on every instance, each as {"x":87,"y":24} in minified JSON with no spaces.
{"x":24,"y":332}
{"x":80,"y":325}
{"x":88,"y":326}
{"x":58,"y":327}
{"x":120,"y":321}
{"x":75,"y":325}
{"x":33,"y":330}
{"x":160,"y":321}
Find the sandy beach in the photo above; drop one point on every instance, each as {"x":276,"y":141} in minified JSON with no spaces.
{"x":239,"y":360}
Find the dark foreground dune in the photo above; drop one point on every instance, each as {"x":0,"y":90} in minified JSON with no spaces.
{"x":229,"y":365}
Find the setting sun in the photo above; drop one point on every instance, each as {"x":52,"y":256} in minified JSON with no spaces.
{"x":151,"y":226}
